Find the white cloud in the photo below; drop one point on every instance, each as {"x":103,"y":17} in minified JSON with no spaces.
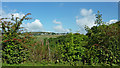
{"x":56,"y":22}
{"x":20,"y":15}
{"x":59,"y":27}
{"x":85,"y":12}
{"x":3,"y":14}
{"x":35,"y":26}
{"x":88,"y":18}
{"x":112,"y":21}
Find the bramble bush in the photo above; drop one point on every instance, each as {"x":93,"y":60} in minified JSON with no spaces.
{"x":103,"y":43}
{"x":13,"y":50}
{"x":20,"y":47}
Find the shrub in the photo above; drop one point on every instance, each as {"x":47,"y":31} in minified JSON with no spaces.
{"x":70,"y":48}
{"x":12,"y":50}
{"x":107,"y":39}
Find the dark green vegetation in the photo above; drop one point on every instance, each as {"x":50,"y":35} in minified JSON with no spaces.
{"x":70,"y":49}
{"x":99,"y":47}
{"x":13,"y":51}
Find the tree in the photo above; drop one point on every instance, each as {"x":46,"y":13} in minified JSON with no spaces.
{"x":99,"y":19}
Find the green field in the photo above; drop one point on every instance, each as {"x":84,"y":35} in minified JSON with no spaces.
{"x":42,"y":37}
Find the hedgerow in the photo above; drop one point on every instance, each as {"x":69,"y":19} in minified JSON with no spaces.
{"x":13,"y":50}
{"x":100,"y":46}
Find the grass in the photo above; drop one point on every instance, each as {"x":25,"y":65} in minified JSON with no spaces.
{"x":35,"y":64}
{"x":46,"y":64}
{"x":46,"y":36}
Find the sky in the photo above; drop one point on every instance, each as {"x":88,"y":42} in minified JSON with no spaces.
{"x":59,"y":0}
{"x":61,"y":16}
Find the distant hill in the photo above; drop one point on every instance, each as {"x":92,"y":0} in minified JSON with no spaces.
{"x":46,"y":33}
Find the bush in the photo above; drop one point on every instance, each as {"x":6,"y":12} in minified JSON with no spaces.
{"x":13,"y":52}
{"x":104,"y":44}
{"x":70,"y":48}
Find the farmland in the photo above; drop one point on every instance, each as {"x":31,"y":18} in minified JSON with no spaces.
{"x":42,"y":37}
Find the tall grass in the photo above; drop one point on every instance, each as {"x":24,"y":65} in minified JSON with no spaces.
{"x":40,"y":51}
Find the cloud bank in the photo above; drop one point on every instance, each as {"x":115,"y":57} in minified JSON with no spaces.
{"x":3,"y":14}
{"x":59,"y":27}
{"x":35,"y":26}
{"x":87,"y":18}
{"x":112,"y":21}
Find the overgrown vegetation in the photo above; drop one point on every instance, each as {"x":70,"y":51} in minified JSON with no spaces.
{"x":70,"y":49}
{"x":13,"y":51}
{"x":100,"y":46}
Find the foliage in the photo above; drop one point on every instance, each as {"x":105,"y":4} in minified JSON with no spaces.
{"x":99,"y":19}
{"x":70,"y":48}
{"x":39,"y":50}
{"x":100,"y":46}
{"x":103,"y":44}
{"x":12,"y":50}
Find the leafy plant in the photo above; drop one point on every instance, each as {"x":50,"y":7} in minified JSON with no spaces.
{"x":70,"y":48}
{"x":12,"y":50}
{"x":107,"y":41}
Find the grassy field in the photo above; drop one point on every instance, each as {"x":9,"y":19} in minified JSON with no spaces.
{"x":46,"y":36}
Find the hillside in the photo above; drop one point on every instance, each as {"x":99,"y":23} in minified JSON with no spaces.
{"x":46,"y":33}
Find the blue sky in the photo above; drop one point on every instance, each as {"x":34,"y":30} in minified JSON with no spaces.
{"x":61,"y":16}
{"x":59,"y":0}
